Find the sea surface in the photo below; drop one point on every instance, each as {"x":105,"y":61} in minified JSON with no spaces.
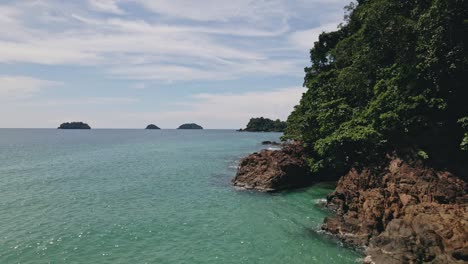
{"x":150,"y":196}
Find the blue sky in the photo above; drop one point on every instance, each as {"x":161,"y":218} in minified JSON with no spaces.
{"x":128,"y":63}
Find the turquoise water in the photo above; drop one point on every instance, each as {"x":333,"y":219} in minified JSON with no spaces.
{"x":139,"y":196}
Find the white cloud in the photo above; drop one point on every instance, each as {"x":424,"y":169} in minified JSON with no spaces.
{"x":108,"y":6}
{"x":305,"y":39}
{"x":89,"y":101}
{"x":172,"y":41}
{"x":209,"y":110}
{"x":224,"y":110}
{"x":216,"y":10}
{"x":249,"y":38}
{"x":22,"y":86}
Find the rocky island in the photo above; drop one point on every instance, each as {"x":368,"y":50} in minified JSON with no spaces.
{"x":262,"y":124}
{"x":74,"y":125}
{"x":190,"y":126}
{"x":152,"y":126}
{"x":385,"y":112}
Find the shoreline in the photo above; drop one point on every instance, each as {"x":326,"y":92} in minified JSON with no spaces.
{"x":372,"y":210}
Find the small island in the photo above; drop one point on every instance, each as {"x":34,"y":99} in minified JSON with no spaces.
{"x":190,"y":126}
{"x":74,"y":125}
{"x":262,"y":124}
{"x":152,"y":126}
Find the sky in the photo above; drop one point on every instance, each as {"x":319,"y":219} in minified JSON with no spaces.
{"x":129,"y":63}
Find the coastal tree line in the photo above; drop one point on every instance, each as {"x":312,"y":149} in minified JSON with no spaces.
{"x":393,"y":77}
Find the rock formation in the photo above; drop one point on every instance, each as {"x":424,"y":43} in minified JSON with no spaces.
{"x":152,"y":126}
{"x":273,"y":143}
{"x":403,"y":213}
{"x":406,"y":214}
{"x":190,"y":126}
{"x":273,"y":170}
{"x":74,"y":125}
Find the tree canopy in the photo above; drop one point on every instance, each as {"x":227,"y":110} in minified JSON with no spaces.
{"x":74,"y":125}
{"x":190,"y":126}
{"x":393,"y":76}
{"x":261,"y":124}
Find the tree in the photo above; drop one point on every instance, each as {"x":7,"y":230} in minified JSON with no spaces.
{"x":393,"y":77}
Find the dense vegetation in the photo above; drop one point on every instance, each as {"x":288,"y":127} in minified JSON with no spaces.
{"x":190,"y":126}
{"x":394,"y":76}
{"x":261,"y":124}
{"x":74,"y":125}
{"x":152,"y":126}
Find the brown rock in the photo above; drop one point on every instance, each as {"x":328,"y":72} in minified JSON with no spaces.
{"x":273,"y":170}
{"x":406,"y":214}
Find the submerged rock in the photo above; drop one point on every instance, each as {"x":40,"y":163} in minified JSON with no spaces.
{"x":74,"y":125}
{"x":152,"y":126}
{"x":406,"y":214}
{"x":190,"y":126}
{"x":273,"y":143}
{"x":273,"y":170}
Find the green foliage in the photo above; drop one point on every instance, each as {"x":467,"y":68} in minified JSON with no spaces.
{"x":423,"y":155}
{"x":190,"y":126}
{"x":393,"y":77}
{"x":265,"y":125}
{"x":464,"y":123}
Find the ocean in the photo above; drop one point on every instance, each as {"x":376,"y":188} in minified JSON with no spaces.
{"x":150,"y":196}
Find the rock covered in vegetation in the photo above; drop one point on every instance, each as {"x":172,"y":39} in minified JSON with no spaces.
{"x":152,"y":126}
{"x":392,"y":76}
{"x":406,"y":214}
{"x":190,"y":126}
{"x":74,"y":125}
{"x":273,"y":170}
{"x":262,"y":124}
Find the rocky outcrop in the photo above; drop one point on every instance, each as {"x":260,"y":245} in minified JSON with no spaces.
{"x":273,"y":143}
{"x":406,"y":214}
{"x":190,"y":126}
{"x":74,"y":125}
{"x":273,"y":170}
{"x":152,"y":126}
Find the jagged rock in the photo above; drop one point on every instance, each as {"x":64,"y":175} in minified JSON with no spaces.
{"x":273,"y":170}
{"x":74,"y":125}
{"x":406,"y":214}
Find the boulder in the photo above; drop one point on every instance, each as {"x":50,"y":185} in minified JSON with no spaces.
{"x":273,"y":170}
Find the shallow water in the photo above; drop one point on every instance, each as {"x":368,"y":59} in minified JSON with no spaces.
{"x":149,"y":196}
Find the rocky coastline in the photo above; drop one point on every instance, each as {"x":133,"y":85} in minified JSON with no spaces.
{"x":404,"y":212}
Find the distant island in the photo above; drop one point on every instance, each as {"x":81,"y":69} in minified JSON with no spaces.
{"x":262,"y":124}
{"x":152,"y":126}
{"x":74,"y":125}
{"x":190,"y":126}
